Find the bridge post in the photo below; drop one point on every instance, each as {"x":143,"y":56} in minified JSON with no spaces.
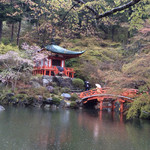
{"x":100,"y":115}
{"x":101,"y":105}
{"x":121,"y":107}
{"x":113,"y":105}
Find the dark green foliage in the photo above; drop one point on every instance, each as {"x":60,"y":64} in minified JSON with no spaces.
{"x":74,"y":97}
{"x":78,"y":83}
{"x":140,"y":108}
{"x":56,"y":100}
{"x":73,"y":105}
{"x":65,"y":90}
{"x":57,"y":90}
{"x":21,"y":97}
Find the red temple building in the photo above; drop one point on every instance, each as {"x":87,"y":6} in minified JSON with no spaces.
{"x":54,"y":64}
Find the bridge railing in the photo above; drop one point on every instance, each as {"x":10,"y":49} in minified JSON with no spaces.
{"x":130,"y":93}
{"x":92,"y":92}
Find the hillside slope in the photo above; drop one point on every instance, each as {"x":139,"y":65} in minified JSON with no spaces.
{"x":110,"y":63}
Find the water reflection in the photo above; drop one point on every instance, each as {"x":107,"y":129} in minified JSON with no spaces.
{"x":32,"y":129}
{"x":103,"y":124}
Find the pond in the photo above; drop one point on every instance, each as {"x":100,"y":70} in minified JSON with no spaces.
{"x":36,"y":129}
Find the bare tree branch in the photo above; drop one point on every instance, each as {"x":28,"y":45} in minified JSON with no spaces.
{"x":88,"y":7}
{"x":120,"y":8}
{"x":64,"y":18}
{"x":108,"y":13}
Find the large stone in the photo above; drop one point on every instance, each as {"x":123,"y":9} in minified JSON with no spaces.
{"x":2,"y":108}
{"x":47,"y":80}
{"x":35,"y":84}
{"x":10,"y":95}
{"x":66,"y":95}
{"x":2,"y":85}
{"x":63,"y":82}
{"x":50,"y":88}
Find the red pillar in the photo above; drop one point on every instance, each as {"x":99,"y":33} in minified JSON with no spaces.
{"x":49,"y":73}
{"x":113,"y":115}
{"x":121,"y":117}
{"x":43,"y":63}
{"x":44,"y":72}
{"x":113,"y":106}
{"x":100,"y":115}
{"x":101,"y":105}
{"x":121,"y":107}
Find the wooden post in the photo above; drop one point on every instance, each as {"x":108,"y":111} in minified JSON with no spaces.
{"x":101,"y":105}
{"x":44,"y":72}
{"x":49,"y":73}
{"x":113,"y":105}
{"x":121,"y":107}
{"x":100,"y":115}
{"x":113,"y":115}
{"x":121,"y":117}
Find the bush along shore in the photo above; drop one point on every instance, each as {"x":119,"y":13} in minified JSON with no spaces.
{"x":44,"y":92}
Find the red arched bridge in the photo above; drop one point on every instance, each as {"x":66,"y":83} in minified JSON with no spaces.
{"x":106,"y":100}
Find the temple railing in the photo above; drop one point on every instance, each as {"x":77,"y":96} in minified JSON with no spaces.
{"x":42,"y":70}
{"x":69,"y":72}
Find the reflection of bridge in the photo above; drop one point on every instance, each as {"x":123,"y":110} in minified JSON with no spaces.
{"x":106,"y":100}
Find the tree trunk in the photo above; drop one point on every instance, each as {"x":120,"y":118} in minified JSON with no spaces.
{"x":112,"y":32}
{"x":18,"y":34}
{"x":1,"y":28}
{"x":12,"y":32}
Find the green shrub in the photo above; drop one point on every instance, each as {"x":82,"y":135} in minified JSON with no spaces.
{"x":74,"y":97}
{"x":54,"y":84}
{"x":78,"y":83}
{"x":65,"y":90}
{"x":56,"y":100}
{"x":56,"y":90}
{"x":140,"y":108}
{"x":34,"y":92}
{"x":6,"y":41}
{"x":5,"y":48}
{"x":145,"y":112}
{"x":73,"y":105}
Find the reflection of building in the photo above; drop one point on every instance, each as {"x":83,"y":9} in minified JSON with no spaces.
{"x":54,"y":64}
{"x":55,"y":131}
{"x":103,"y":124}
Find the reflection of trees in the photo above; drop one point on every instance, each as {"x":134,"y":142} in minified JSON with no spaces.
{"x":35,"y":129}
{"x":73,"y":130}
{"x":139,"y":133}
{"x":54,"y":133}
{"x":106,"y":128}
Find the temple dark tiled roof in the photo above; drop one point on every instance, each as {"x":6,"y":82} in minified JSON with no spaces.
{"x":60,"y":50}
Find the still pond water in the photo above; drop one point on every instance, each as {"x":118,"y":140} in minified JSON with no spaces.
{"x":33,"y":129}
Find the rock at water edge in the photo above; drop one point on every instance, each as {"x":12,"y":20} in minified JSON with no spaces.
{"x":2,"y":108}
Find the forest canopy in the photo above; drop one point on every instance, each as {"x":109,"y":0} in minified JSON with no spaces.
{"x":68,"y":18}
